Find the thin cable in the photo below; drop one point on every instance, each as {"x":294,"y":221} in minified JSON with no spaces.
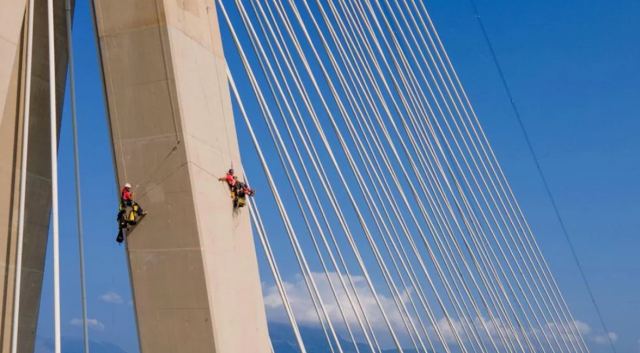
{"x":76,"y":163}
{"x":23,"y":180}
{"x":545,"y":183}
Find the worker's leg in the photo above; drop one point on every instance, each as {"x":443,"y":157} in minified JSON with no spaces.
{"x":120,"y":236}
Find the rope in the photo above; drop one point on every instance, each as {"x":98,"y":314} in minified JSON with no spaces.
{"x":23,"y":179}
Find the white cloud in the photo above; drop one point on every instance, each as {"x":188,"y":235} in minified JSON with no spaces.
{"x":605,"y":338}
{"x":305,"y":313}
{"x":111,"y":297}
{"x":92,"y":323}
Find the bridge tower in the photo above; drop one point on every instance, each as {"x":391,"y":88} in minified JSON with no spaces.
{"x":192,"y":261}
{"x":13,"y":44}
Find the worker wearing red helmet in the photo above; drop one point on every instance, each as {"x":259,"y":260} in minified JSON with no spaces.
{"x":229,"y":178}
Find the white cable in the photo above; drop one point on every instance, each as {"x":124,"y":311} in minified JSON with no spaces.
{"x":547,"y":276}
{"x":383,"y":82}
{"x":283,"y":212}
{"x":76,"y":160}
{"x":352,"y":201}
{"x":308,"y":207}
{"x":410,"y":50}
{"x":54,"y":176}
{"x":455,"y":90}
{"x":357,"y":306}
{"x":357,"y":90}
{"x":337,"y":132}
{"x":427,"y":152}
{"x":17,"y":290}
{"x":313,"y":288}
{"x":254,"y":213}
{"x":462,"y":194}
{"x":359,"y":145}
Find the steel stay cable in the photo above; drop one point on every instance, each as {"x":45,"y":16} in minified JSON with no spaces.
{"x":291,"y":169}
{"x":338,"y":133}
{"x":393,"y":287}
{"x":531,"y":243}
{"x":466,"y":202}
{"x":320,"y":170}
{"x":361,"y":220}
{"x":462,"y":194}
{"x":563,"y":308}
{"x":76,"y":160}
{"x":53,"y":146}
{"x":303,"y":190}
{"x":254,"y":213}
{"x":459,"y":115}
{"x":371,"y":178}
{"x":358,"y":95}
{"x":383,"y":81}
{"x":312,"y":286}
{"x":420,"y":70}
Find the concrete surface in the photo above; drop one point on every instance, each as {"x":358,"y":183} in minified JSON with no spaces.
{"x":192,"y":260}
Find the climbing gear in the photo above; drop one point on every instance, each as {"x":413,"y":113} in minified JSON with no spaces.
{"x":129,"y":214}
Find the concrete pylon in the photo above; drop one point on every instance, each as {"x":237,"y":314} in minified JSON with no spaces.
{"x":192,"y":260}
{"x":38,"y":186}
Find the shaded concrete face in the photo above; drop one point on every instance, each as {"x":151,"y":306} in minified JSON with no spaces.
{"x":192,"y":260}
{"x":38,"y":182}
{"x":11,"y":16}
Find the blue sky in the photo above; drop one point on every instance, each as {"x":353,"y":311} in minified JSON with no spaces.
{"x":573,"y":70}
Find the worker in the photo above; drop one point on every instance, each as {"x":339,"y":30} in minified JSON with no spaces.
{"x":126,"y":200}
{"x":242,"y":190}
{"x":127,"y":218}
{"x":229,"y":178}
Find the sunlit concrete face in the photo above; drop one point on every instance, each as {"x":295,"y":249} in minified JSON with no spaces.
{"x":38,"y":178}
{"x":192,"y":260}
{"x":11,"y":16}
